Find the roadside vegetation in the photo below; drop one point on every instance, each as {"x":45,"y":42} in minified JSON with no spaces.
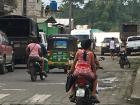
{"x":106,"y":15}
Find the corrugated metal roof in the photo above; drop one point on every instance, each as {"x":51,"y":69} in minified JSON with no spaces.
{"x":59,"y":21}
{"x":41,"y":20}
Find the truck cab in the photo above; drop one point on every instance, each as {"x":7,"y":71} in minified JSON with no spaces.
{"x":133,"y":44}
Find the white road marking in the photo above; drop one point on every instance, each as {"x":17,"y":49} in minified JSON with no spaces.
{"x":51,"y":83}
{"x":15,"y":89}
{"x":38,"y":98}
{"x":2,"y":84}
{"x":3,"y":95}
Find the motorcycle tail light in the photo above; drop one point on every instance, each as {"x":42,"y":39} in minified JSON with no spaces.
{"x":81,"y":81}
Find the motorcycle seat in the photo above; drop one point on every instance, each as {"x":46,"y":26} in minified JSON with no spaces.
{"x":34,"y":59}
{"x":83,"y":76}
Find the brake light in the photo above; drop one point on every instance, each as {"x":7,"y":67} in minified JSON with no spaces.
{"x":81,"y":81}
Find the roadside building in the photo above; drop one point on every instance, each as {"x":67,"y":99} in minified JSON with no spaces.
{"x":31,"y":8}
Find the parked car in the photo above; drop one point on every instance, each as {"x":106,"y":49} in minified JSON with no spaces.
{"x":105,"y":45}
{"x":133,"y":44}
{"x":6,"y":54}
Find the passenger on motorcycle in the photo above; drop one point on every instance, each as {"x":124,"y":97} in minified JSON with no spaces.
{"x":84,"y":63}
{"x":33,"y":51}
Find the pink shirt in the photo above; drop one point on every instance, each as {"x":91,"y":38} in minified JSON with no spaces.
{"x":81,"y":65}
{"x":34,"y":48}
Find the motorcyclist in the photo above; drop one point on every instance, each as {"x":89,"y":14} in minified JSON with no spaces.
{"x":85,"y":64}
{"x":33,"y":51}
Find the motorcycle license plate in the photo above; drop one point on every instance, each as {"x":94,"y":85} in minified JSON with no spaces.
{"x":80,"y":92}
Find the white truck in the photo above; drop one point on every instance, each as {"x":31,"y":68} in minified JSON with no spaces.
{"x":133,"y":44}
{"x":83,"y":34}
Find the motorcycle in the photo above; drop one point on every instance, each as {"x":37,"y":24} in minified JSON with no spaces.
{"x":35,"y":69}
{"x":123,"y":61}
{"x":83,"y":91}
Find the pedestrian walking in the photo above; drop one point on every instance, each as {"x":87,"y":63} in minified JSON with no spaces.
{"x":112,"y":47}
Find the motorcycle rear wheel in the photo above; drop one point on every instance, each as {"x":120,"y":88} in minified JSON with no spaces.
{"x":128,"y":65}
{"x":42,"y":77}
{"x":121,"y":64}
{"x":33,"y":74}
{"x":81,"y":101}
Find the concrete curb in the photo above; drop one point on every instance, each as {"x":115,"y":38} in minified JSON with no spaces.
{"x":135,"y":96}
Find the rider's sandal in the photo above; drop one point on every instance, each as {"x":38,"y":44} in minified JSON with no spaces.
{"x":44,"y":73}
{"x":71,"y":98}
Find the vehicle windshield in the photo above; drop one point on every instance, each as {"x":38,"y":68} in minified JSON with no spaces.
{"x":60,"y":44}
{"x":81,"y":37}
{"x":107,"y":40}
{"x":134,"y":39}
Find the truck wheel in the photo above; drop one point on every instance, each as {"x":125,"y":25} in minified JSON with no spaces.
{"x":11,"y":68}
{"x":2,"y":67}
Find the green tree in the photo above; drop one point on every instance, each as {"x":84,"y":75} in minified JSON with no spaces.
{"x":104,"y":14}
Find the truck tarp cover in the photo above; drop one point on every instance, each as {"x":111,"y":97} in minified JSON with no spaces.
{"x":15,"y":27}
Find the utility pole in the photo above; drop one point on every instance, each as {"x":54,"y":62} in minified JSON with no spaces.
{"x":70,"y":14}
{"x":24,"y":12}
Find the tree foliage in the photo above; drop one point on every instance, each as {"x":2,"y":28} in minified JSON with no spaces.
{"x":104,"y":14}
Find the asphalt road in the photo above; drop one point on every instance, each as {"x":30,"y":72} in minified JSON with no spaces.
{"x":17,"y":88}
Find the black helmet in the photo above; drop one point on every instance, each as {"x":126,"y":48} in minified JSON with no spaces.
{"x":85,"y":44}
